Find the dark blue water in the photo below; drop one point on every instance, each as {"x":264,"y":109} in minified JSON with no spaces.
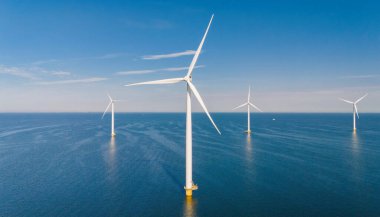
{"x":297,"y":165}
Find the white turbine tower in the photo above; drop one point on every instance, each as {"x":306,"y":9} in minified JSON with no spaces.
{"x":248,"y":104}
{"x":354,"y":109}
{"x":190,"y":186}
{"x":112,"y":102}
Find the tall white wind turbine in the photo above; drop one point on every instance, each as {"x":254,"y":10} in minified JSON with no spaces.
{"x":354,"y":109}
{"x":112,"y":102}
{"x":248,"y":104}
{"x":190,"y":186}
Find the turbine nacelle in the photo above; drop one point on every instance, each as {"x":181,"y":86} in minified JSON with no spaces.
{"x":188,"y":78}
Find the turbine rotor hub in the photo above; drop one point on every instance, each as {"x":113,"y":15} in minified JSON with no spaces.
{"x":188,"y":78}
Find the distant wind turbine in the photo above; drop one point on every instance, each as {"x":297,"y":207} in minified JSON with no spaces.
{"x":354,"y":108}
{"x":190,"y":186}
{"x":112,"y":101}
{"x":248,"y":104}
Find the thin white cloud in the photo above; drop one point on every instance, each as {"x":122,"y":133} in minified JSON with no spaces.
{"x":108,"y":56}
{"x":136,"y":72}
{"x":360,"y":76}
{"x":101,"y":57}
{"x":18,"y":72}
{"x":166,"y":56}
{"x":32,"y":73}
{"x":149,"y":71}
{"x":73,"y":81}
{"x":61,"y":73}
{"x":42,"y":62}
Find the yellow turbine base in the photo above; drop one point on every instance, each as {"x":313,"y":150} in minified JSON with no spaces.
{"x":113,"y":134}
{"x":189,"y":191}
{"x":248,"y":132}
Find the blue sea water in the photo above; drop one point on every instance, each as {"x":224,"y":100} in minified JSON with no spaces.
{"x":295,"y":165}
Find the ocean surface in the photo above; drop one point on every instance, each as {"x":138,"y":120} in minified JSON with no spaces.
{"x":295,"y":165}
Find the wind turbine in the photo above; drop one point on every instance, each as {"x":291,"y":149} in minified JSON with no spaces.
{"x":190,"y":186}
{"x":354,"y":108}
{"x":248,"y":104}
{"x":112,"y":102}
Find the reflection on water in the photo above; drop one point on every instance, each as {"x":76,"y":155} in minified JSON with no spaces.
{"x":355,"y":141}
{"x":355,"y":148}
{"x":248,"y":148}
{"x":112,"y":147}
{"x":112,"y":158}
{"x":249,"y":158}
{"x":112,"y":150}
{"x":189,"y":209}
{"x":249,"y":143}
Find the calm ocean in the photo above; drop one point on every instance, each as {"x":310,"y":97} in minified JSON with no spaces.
{"x":296,"y":165}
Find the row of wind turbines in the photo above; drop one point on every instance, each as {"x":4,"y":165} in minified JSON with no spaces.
{"x":191,"y":89}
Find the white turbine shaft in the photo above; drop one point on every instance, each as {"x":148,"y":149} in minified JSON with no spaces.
{"x":353,"y":116}
{"x":249,"y":120}
{"x":249,"y":111}
{"x":189,"y":141}
{"x":113,"y":120}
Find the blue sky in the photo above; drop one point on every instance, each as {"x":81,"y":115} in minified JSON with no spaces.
{"x":299,"y":56}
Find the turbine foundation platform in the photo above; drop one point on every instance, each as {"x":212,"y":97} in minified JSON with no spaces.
{"x":248,"y":132}
{"x":189,"y":191}
{"x":113,"y":134}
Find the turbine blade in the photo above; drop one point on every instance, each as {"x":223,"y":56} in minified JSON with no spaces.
{"x":361,"y":98}
{"x":163,"y":81}
{"x":356,"y":110}
{"x":106,"y":109}
{"x":257,"y":108}
{"x":249,"y":93}
{"x":109,"y":97}
{"x":346,"y":101}
{"x":199,"y":98}
{"x":195,"y":58}
{"x":240,"y":106}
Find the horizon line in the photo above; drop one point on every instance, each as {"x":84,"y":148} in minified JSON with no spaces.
{"x":138,"y":112}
